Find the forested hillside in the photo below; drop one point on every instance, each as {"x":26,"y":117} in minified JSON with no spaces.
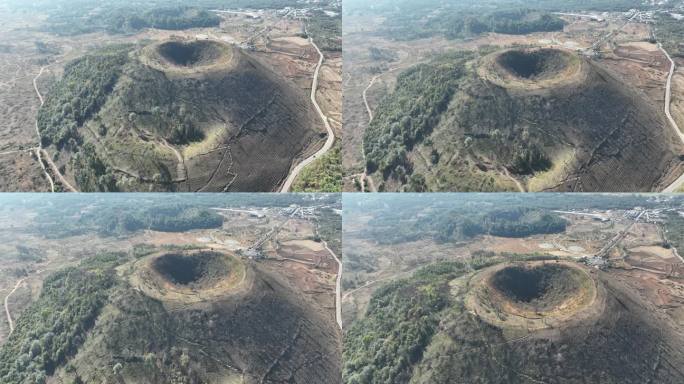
{"x":411,"y":112}
{"x":401,"y":319}
{"x":52,"y":329}
{"x":80,"y":94}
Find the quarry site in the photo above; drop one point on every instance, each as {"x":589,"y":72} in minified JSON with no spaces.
{"x":244,"y":106}
{"x":607,"y":290}
{"x":598,"y":63}
{"x":251,"y":301}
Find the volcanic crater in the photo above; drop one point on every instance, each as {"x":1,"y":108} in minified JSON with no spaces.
{"x":572,"y":123}
{"x":534,"y":295}
{"x":219,"y":120}
{"x":189,"y":56}
{"x":534,"y":64}
{"x":532,"y":69}
{"x":190,"y":53}
{"x":544,"y":287}
{"x":187,"y":277}
{"x":192,"y":270}
{"x":234,"y":321}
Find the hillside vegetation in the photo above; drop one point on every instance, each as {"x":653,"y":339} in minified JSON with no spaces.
{"x":131,"y":20}
{"x":408,"y":19}
{"x":466,"y":24}
{"x":400,"y":321}
{"x":410,"y":114}
{"x":54,"y":327}
{"x":457,"y":224}
{"x":516,"y":223}
{"x":418,"y":330}
{"x":449,"y":125}
{"x":175,"y":116}
{"x":171,"y":219}
{"x":84,"y":88}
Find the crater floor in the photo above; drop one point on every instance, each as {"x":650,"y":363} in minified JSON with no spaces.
{"x":535,"y":295}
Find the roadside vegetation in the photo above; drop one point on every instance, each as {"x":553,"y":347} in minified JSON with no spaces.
{"x":674,"y":226}
{"x":329,"y":227}
{"x":670,"y":32}
{"x":326,"y":31}
{"x":323,"y":175}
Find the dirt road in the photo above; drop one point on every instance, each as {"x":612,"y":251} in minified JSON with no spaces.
{"x":365,"y":176}
{"x":39,"y":150}
{"x":181,"y":169}
{"x":338,"y":287}
{"x":331,"y":135}
{"x":7,"y":311}
{"x":514,"y":180}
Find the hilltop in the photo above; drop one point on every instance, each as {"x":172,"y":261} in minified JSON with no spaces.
{"x":176,"y":115}
{"x":515,"y":322}
{"x":539,"y":119}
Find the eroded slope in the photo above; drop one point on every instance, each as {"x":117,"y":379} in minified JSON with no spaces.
{"x":535,"y":119}
{"x":178,"y":115}
{"x":172,"y":317}
{"x":566,"y":324}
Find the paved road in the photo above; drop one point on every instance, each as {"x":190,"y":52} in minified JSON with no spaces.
{"x":618,"y":238}
{"x":331,"y":135}
{"x":7,"y":311}
{"x":668,"y":98}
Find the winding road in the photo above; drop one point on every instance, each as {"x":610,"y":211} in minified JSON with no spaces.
{"x":7,"y":311}
{"x":365,"y":176}
{"x":668,"y":98}
{"x":338,"y":287}
{"x":39,"y":149}
{"x":331,"y":135}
